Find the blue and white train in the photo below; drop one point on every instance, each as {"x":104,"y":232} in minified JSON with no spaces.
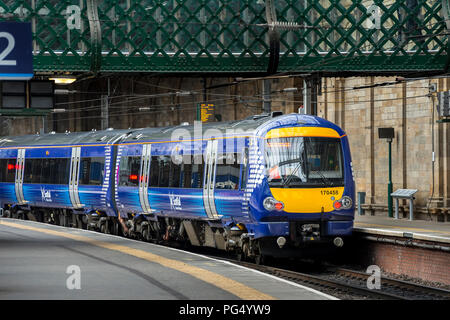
{"x":269,"y":185}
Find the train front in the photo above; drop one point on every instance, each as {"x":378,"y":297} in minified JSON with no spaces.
{"x":306,"y":200}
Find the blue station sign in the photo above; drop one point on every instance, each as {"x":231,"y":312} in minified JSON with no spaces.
{"x":16,"y":53}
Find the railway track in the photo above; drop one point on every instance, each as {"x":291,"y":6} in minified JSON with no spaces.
{"x":403,"y":289}
{"x":349,"y":284}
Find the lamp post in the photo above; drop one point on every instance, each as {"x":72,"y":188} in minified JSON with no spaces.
{"x":388,"y":134}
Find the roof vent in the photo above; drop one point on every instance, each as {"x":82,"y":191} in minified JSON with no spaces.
{"x":274,"y":114}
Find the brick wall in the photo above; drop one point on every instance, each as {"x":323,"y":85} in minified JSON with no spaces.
{"x":424,"y":264}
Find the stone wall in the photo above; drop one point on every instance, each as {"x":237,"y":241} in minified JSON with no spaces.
{"x":361,"y":106}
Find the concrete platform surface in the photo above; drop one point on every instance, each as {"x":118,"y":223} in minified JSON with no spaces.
{"x":41,"y":261}
{"x":416,"y":229}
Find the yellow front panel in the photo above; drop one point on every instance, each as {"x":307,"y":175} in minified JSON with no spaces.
{"x":307,"y":200}
{"x":302,"y":132}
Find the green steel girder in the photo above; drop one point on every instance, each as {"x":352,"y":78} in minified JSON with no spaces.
{"x":232,"y":36}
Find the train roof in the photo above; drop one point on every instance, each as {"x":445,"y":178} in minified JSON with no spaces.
{"x":250,"y":126}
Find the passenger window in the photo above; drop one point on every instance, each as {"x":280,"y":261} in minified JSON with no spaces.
{"x":192,"y":171}
{"x":164,"y":171}
{"x":175,"y":175}
{"x":7,"y":170}
{"x":228,"y":171}
{"x":92,"y":171}
{"x":197,"y":176}
{"x":186,"y":172}
{"x":129,"y":171}
{"x":154,"y":172}
{"x":61,"y":171}
{"x":28,"y":173}
{"x":36,"y":168}
{"x":47,"y":171}
{"x":3,"y":169}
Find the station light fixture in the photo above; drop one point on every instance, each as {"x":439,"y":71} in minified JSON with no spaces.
{"x":63,"y":79}
{"x":388,"y":134}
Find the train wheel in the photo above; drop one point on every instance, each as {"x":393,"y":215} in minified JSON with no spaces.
{"x":260,"y":259}
{"x":61,"y":219}
{"x":20,"y":214}
{"x":243,"y":252}
{"x":145,"y":234}
{"x":103,"y":228}
{"x":115,"y":228}
{"x":107,"y":226}
{"x":65,"y":220}
{"x":240,"y":256}
{"x":77,"y":221}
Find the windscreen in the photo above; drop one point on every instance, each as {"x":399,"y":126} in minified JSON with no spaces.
{"x":304,"y":162}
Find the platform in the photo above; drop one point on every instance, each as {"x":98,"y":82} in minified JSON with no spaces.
{"x":41,"y":261}
{"x":417,"y":229}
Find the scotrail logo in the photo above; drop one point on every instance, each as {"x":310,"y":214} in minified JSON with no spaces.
{"x":46,"y":195}
{"x":175,"y":202}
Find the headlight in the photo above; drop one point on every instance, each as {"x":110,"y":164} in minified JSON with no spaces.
{"x":270,"y":204}
{"x":344,"y":203}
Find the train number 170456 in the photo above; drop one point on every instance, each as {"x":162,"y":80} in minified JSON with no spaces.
{"x":329,"y":192}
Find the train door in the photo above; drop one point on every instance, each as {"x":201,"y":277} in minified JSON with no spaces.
{"x":74,"y":177}
{"x":144,"y":177}
{"x":209,"y":183}
{"x":20,"y":165}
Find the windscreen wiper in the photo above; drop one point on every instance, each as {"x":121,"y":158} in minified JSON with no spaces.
{"x":292,"y":174}
{"x":325,"y":180}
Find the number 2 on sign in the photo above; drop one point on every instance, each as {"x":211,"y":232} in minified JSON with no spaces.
{"x":11,"y":43}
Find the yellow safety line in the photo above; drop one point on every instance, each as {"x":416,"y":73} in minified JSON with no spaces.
{"x":393,"y":227}
{"x":236,"y":288}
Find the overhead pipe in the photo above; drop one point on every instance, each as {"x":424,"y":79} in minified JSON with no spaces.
{"x":407,"y":243}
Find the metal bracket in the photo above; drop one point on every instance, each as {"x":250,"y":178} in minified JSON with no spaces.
{"x":28,"y":112}
{"x":446,"y":12}
{"x":274,"y":37}
{"x":96,"y":35}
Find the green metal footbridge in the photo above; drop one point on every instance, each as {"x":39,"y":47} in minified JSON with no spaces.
{"x":236,"y":36}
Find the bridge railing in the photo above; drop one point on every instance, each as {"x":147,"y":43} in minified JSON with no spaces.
{"x":232,"y":35}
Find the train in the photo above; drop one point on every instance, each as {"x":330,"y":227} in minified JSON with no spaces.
{"x":270,"y":185}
